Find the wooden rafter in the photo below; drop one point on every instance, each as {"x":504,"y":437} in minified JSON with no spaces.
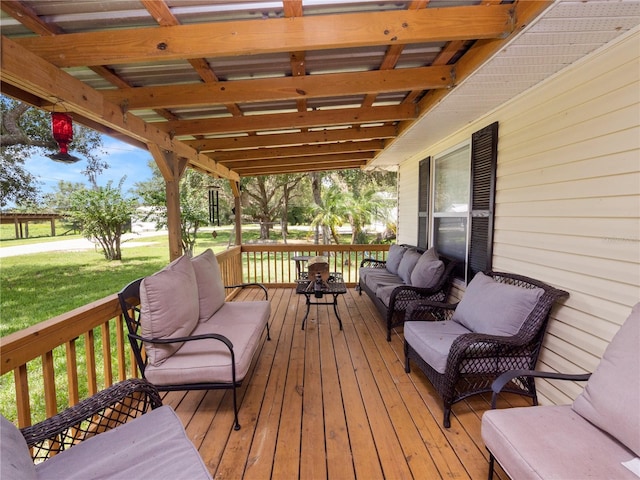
{"x":318,"y":118}
{"x":291,"y":139}
{"x":284,"y":88}
{"x":233,"y":156}
{"x":253,"y":37}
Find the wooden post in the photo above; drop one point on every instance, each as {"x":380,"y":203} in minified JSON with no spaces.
{"x":237,"y":205}
{"x":172,"y":169}
{"x":53,"y":227}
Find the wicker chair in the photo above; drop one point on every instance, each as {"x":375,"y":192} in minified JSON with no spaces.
{"x":474,"y":360}
{"x":103,"y":411}
{"x":120,"y":432}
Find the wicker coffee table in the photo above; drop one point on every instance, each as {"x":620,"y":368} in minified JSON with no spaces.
{"x":334,"y":286}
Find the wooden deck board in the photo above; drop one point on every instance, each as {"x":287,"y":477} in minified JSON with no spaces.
{"x":326,"y":403}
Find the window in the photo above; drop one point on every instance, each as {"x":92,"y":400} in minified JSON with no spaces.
{"x":456,"y":200}
{"x":451,"y":173}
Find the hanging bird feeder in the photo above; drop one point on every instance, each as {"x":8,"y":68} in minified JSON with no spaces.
{"x":62,"y":129}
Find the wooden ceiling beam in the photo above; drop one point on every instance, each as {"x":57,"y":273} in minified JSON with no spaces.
{"x":283,"y":88}
{"x":291,"y":139}
{"x":317,"y":167}
{"x":254,"y":37}
{"x":29,"y":73}
{"x":308,"y":160}
{"x":271,"y":122}
{"x":299,"y":151}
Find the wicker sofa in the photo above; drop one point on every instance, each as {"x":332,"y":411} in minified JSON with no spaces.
{"x":498,"y":325}
{"x":184,"y":335}
{"x":595,"y":437}
{"x":121,"y":432}
{"x":408,"y":274}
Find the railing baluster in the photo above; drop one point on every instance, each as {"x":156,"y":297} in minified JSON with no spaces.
{"x":120,"y":348}
{"x":72,"y":372}
{"x":106,"y":354}
{"x":48,"y":375}
{"x":90,"y":353}
{"x":23,"y":405}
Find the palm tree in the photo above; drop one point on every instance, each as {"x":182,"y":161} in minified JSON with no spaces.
{"x":333,"y":213}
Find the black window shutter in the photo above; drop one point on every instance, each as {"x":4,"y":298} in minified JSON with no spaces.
{"x":423,"y":202}
{"x":484,"y":159}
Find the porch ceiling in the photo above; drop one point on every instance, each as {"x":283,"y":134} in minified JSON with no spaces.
{"x":263,"y":87}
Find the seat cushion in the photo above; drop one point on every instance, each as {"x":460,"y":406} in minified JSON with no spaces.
{"x":432,"y":340}
{"x":209,"y":361}
{"x":495,"y":308}
{"x":169,"y":307}
{"x":364,"y":272}
{"x":211,"y":294}
{"x":154,"y":445}
{"x":552,"y":442}
{"x":396,"y":252}
{"x":374,"y":280}
{"x":15,"y":459}
{"x":407,"y":264}
{"x":428,"y":270}
{"x":611,"y":398}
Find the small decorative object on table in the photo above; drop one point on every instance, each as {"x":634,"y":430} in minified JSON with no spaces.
{"x":319,"y":265}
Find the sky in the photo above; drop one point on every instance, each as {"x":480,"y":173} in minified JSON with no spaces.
{"x":123,"y":159}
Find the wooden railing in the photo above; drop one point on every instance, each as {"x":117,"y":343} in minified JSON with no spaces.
{"x":59,"y":361}
{"x":275,"y":265}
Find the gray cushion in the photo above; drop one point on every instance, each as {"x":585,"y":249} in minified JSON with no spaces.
{"x":552,"y":442}
{"x":432,"y":340}
{"x":15,"y":460}
{"x":396,"y":252}
{"x":495,"y":308}
{"x":154,"y":445}
{"x":209,"y":360}
{"x":428,"y":270}
{"x":407,"y":264}
{"x":611,"y":398}
{"x":374,"y":280}
{"x":211,"y":294}
{"x":169,"y":307}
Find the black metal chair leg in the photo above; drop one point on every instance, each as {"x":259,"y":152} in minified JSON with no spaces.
{"x":447,"y":416}
{"x":491,"y":463}
{"x":236,"y":423}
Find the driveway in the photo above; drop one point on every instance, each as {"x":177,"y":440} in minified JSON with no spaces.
{"x":75,"y":245}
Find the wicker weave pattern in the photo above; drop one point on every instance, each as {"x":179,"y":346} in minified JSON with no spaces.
{"x":103,"y":411}
{"x":475,"y":360}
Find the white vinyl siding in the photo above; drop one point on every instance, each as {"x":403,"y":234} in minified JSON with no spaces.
{"x":568,"y":201}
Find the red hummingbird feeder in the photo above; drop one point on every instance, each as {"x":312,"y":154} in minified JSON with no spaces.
{"x":62,"y":129}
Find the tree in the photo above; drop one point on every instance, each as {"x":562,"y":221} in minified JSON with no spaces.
{"x":194,"y":202}
{"x":270,"y":199}
{"x":102,"y":213}
{"x":333,"y":212}
{"x":26,"y":131}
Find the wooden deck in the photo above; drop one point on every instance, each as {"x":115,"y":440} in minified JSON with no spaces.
{"x":324,"y":403}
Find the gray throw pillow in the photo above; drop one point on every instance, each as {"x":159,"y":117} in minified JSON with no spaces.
{"x":495,"y":308}
{"x":611,"y":398}
{"x":396,"y":252}
{"x":428,"y":270}
{"x":169,"y":307}
{"x":407,"y":264}
{"x":211,"y":293}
